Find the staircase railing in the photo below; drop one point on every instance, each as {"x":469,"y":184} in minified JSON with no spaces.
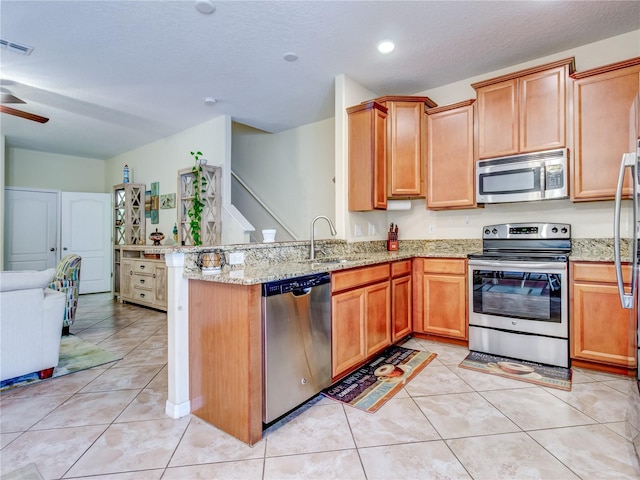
{"x":264,"y":206}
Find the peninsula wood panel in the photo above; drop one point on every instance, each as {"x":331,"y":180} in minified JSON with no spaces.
{"x":603,"y":99}
{"x":450,"y":158}
{"x":225,"y":357}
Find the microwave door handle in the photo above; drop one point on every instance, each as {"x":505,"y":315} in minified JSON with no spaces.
{"x":626,"y":299}
{"x":543,"y":180}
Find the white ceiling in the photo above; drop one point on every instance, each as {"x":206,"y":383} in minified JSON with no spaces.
{"x":115,"y":75}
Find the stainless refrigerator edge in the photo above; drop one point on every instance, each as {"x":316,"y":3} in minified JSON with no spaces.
{"x":629,"y":295}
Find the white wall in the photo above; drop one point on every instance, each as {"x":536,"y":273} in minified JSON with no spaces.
{"x":2,"y":184}
{"x":291,"y":171}
{"x":30,"y":168}
{"x":589,"y":219}
{"x":160,"y":161}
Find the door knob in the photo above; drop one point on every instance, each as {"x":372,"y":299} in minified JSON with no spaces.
{"x":64,"y":248}
{"x":52,"y":249}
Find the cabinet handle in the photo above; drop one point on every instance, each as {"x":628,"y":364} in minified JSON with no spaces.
{"x":141,"y":267}
{"x":153,"y":276}
{"x":142,"y":280}
{"x":142,"y":295}
{"x":130,"y":272}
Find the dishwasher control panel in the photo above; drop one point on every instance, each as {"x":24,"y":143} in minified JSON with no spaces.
{"x":279,"y":287}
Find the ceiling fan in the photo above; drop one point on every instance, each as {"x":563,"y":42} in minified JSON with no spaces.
{"x":8,"y":97}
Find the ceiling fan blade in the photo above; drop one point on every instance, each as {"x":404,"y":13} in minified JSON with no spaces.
{"x":20,"y":113}
{"x":8,"y":98}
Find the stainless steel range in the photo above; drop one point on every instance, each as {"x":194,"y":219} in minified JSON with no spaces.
{"x":519,"y":291}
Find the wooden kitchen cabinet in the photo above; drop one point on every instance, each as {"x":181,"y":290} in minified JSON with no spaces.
{"x":603,"y":98}
{"x":406,"y":144}
{"x":523,"y":111}
{"x":603,"y":334}
{"x":401,"y":300}
{"x":440,"y":297}
{"x":360,"y":313}
{"x":143,"y":281}
{"x":451,"y":156}
{"x":367,"y":157}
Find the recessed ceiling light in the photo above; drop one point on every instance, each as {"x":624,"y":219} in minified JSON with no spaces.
{"x":386,"y":46}
{"x":290,"y":57}
{"x":205,"y":6}
{"x":210,"y":101}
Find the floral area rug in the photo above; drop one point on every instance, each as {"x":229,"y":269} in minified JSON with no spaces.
{"x":547,"y":376}
{"x":76,"y":354}
{"x":370,"y":386}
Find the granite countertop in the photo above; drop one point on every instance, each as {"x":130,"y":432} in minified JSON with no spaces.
{"x":279,"y":261}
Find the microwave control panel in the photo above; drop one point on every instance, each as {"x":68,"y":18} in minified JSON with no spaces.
{"x":554,"y":177}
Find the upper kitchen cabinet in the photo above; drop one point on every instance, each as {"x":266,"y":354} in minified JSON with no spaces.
{"x":367,"y":156}
{"x":523,"y":111}
{"x":450,"y":156}
{"x":406,"y":144}
{"x":603,"y":98}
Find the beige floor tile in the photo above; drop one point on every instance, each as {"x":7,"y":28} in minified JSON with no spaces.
{"x":96,"y":334}
{"x":204,"y":443}
{"x":53,"y":451}
{"x":397,"y":421}
{"x":161,"y":380}
{"x":148,"y":405}
{"x":450,"y":354}
{"x":463,"y":415}
{"x":122,"y":345}
{"x":139,"y":475}
{"x":591,"y":451}
{"x":622,"y":385}
{"x":508,"y":456}
{"x":424,"y":460}
{"x":242,"y":470}
{"x":602,"y":403}
{"x":19,"y":414}
{"x":104,"y":407}
{"x":315,"y":429}
{"x":155,"y":341}
{"x":342,"y":464}
{"x":581,"y":376}
{"x":125,"y":447}
{"x":141,"y":357}
{"x":535,"y":409}
{"x":123,"y":378}
{"x":7,"y":438}
{"x":624,"y":429}
{"x":65,"y":385}
{"x":436,"y":380}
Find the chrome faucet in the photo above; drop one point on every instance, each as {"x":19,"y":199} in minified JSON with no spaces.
{"x":312,"y":252}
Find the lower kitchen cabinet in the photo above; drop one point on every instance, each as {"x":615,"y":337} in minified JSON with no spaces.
{"x":143,"y":281}
{"x":401,"y":300}
{"x":440,"y":297}
{"x":602,"y":332}
{"x":360,"y":313}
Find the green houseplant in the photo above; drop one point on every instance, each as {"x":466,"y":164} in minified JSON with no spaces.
{"x":197,"y":205}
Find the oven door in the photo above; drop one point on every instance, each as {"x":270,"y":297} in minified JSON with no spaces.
{"x":520,"y":297}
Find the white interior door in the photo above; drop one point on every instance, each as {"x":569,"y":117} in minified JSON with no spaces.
{"x":86,"y":231}
{"x":31,"y":229}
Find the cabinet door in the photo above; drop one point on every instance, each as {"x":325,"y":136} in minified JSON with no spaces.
{"x":445,"y":306}
{"x":348,"y":330}
{"x":367,"y":157}
{"x":160,"y":285}
{"x":601,"y":330}
{"x":542,"y":110}
{"x":450,"y":156}
{"x":405,"y":138}
{"x":126,"y":278}
{"x":498,"y":119}
{"x":602,"y":104}
{"x":378,"y":326}
{"x":401,"y":307}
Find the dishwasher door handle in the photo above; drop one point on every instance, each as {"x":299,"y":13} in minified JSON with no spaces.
{"x":301,"y":292}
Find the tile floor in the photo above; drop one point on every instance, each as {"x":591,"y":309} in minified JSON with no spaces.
{"x":108,"y":423}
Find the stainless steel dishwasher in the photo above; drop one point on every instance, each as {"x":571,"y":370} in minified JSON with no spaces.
{"x":296,"y":333}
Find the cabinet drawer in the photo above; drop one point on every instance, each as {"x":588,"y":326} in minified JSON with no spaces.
{"x":357,"y":277}
{"x":143,"y":267}
{"x":142,"y":295}
{"x":601,"y":272}
{"x":143,"y":282}
{"x":445,"y":265}
{"x":402,"y":267}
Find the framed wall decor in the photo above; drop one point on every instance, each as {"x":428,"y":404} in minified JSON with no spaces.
{"x":155,"y":202}
{"x":168,"y":201}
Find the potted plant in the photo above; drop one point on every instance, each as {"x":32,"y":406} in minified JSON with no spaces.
{"x":197,"y":205}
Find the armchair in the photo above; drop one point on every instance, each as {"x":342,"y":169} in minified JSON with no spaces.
{"x":67,"y":281}
{"x":30,"y":324}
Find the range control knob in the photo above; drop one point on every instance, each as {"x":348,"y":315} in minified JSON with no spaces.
{"x":564,"y":230}
{"x":554,"y":229}
{"x":494,"y":231}
{"x":487,"y":231}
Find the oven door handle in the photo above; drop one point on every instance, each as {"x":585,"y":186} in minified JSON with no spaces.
{"x":626,"y":299}
{"x":502,"y":265}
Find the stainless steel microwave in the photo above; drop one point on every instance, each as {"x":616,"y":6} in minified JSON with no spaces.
{"x":523,"y":178}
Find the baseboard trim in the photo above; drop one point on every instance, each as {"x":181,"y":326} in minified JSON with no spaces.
{"x":178,"y":411}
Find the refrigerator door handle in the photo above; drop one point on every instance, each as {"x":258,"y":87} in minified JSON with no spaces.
{"x":626,"y":299}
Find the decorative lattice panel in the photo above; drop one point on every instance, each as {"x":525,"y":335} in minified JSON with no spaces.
{"x":210,"y":227}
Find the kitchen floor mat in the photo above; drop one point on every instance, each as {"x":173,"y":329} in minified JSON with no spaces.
{"x":544,"y":375}
{"x":370,"y":386}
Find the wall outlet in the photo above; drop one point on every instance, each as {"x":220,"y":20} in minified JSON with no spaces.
{"x":236,"y":258}
{"x":357,"y":230}
{"x":432,"y":229}
{"x":372,"y":229}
